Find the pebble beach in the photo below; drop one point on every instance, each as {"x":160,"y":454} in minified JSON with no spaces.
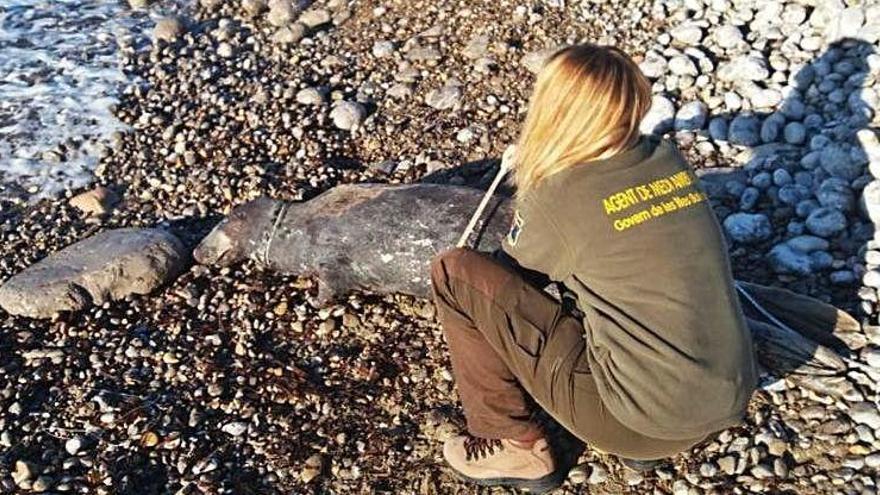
{"x":236,"y":380}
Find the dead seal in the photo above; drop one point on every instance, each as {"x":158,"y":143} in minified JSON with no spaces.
{"x":374,"y":237}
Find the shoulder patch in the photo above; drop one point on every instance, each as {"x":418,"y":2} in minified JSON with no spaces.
{"x":515,"y":228}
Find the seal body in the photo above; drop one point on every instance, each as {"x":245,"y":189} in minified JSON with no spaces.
{"x":374,"y":237}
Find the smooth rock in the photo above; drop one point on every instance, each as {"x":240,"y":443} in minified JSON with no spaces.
{"x":310,"y":96}
{"x":838,"y":162}
{"x":866,"y":413}
{"x":836,"y":193}
{"x":534,"y":61}
{"x":654,"y":65}
{"x":42,"y":483}
{"x":794,"y":133}
{"x":312,"y":468}
{"x":870,"y":145}
{"x":727,"y":464}
{"x":598,"y":474}
{"x":808,"y":243}
{"x":869,"y":202}
{"x":681,"y":65}
{"x":578,"y":474}
{"x":348,"y":115}
{"x":168,"y":29}
{"x":785,"y":259}
{"x":97,"y":201}
{"x":286,"y":35}
{"x":871,"y":356}
{"x":476,"y":48}
{"x":107,"y":266}
{"x":382,"y":49}
{"x":281,"y":12}
{"x":315,"y":17}
{"x":235,"y":428}
{"x":744,"y":130}
{"x":727,"y":36}
{"x":24,"y":471}
{"x":660,"y":117}
{"x":825,"y":221}
{"x":748,"y":227}
{"x":744,"y":68}
{"x":687,"y":34}
{"x":253,"y":8}
{"x":444,"y":98}
{"x":718,"y":129}
{"x":691,"y":116}
{"x":73,"y":445}
{"x":225,"y":50}
{"x":770,"y":129}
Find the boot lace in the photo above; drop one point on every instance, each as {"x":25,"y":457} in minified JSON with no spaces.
{"x":477,"y":447}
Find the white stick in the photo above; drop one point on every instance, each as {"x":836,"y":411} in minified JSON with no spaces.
{"x":505,"y":166}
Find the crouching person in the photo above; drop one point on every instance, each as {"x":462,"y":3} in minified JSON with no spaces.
{"x":654,"y":354}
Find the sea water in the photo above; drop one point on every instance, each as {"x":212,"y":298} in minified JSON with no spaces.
{"x":60,"y":75}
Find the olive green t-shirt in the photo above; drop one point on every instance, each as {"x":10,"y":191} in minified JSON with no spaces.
{"x":635,"y":239}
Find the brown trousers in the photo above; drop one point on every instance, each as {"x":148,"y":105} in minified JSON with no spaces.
{"x":508,"y":338}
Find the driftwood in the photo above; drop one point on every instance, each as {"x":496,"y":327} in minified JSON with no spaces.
{"x":381,"y":238}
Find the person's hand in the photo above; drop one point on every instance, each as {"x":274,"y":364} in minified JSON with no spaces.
{"x":508,"y":157}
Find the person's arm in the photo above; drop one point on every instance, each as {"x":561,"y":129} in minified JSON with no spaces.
{"x":534,"y":277}
{"x":535,"y":245}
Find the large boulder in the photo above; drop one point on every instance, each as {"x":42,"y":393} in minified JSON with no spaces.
{"x":107,"y":266}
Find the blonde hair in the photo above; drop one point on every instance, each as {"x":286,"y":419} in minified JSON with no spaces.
{"x":587,"y":104}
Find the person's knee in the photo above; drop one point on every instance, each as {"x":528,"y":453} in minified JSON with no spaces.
{"x":447,"y":262}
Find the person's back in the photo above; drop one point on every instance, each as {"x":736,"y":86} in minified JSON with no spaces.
{"x":640,"y":246}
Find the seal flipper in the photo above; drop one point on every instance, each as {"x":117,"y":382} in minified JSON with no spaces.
{"x":334,"y":280}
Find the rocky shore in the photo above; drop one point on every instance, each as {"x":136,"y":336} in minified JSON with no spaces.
{"x":234,"y":380}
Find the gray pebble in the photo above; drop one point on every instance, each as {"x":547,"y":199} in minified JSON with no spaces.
{"x":73,"y":445}
{"x":681,"y":65}
{"x":795,"y":133}
{"x":727,"y":36}
{"x":660,"y":117}
{"x":748,"y":227}
{"x":687,"y":34}
{"x":866,"y":413}
{"x":224,"y":50}
{"x":785,"y":259}
{"x":718,"y":129}
{"x":444,"y":98}
{"x":310,"y":96}
{"x":842,"y":277}
{"x":382,"y":49}
{"x":315,"y":17}
{"x":836,"y":193}
{"x":348,"y":115}
{"x":168,"y":29}
{"x":598,"y":474}
{"x":281,"y":12}
{"x":826,"y":222}
{"x":744,"y":130}
{"x":290,"y":34}
{"x":749,"y":198}
{"x":235,"y":428}
{"x":691,"y":116}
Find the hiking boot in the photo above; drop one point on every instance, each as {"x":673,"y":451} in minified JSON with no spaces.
{"x":641,"y":466}
{"x":504,"y":463}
